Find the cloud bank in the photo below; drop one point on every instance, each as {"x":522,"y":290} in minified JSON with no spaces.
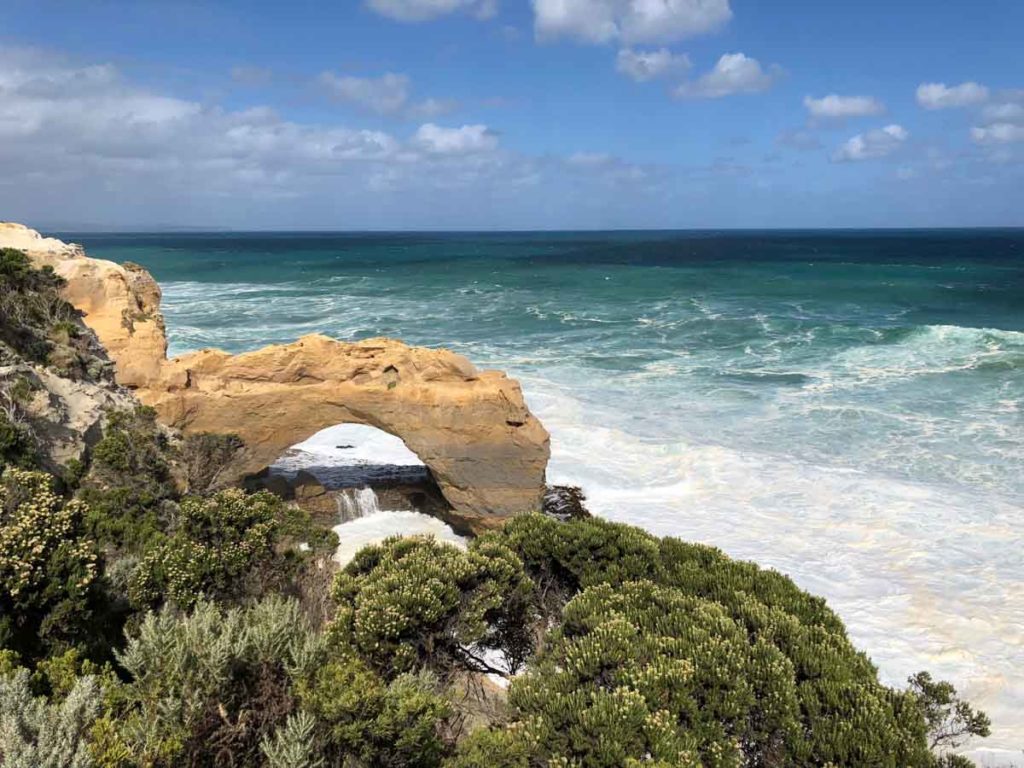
{"x":426,"y":10}
{"x":872,"y":144}
{"x":835,"y":107}
{"x":942,"y":96}
{"x":628,"y":21}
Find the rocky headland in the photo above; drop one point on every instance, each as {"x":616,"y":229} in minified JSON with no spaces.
{"x":471,"y":428}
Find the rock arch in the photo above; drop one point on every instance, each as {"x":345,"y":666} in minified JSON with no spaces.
{"x":471,"y":428}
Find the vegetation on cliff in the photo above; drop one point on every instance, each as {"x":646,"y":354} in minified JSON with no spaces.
{"x":149,"y":620}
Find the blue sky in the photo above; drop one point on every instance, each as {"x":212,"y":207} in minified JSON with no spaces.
{"x":483,"y":114}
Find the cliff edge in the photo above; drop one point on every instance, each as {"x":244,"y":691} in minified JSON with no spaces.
{"x":472,"y":428}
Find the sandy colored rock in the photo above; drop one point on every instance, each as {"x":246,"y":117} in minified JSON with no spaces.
{"x":121,"y":303}
{"x":471,"y":428}
{"x":65,"y":416}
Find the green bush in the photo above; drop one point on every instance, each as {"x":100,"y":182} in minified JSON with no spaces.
{"x":951,"y":721}
{"x":293,"y":745}
{"x":365,"y":718}
{"x":38,"y":325}
{"x":563,"y":558}
{"x":674,"y":650}
{"x":36,"y":732}
{"x":128,"y":481}
{"x":643,"y":669}
{"x":207,"y":688}
{"x":48,"y":569}
{"x":412,"y":603}
{"x":17,"y":448}
{"x":204,"y":455}
{"x":227,"y":547}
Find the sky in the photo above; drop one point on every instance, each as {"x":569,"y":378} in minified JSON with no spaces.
{"x":511,"y":114}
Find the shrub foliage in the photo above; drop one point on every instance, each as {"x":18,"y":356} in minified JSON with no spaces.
{"x":621,"y":649}
{"x":48,"y":567}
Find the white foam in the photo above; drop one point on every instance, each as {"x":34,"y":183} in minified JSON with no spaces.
{"x":358,"y":444}
{"x":930,"y":350}
{"x":376,"y":527}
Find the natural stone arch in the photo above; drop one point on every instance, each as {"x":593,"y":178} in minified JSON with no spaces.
{"x":471,"y":428}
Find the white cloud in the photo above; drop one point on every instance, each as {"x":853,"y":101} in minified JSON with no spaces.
{"x":59,"y":120}
{"x":147,"y":158}
{"x":384,"y":95}
{"x":998,"y":133}
{"x":1004,"y":112}
{"x":734,"y":73}
{"x":647,"y":65}
{"x":835,"y":106}
{"x":469,"y":139}
{"x":872,"y":144}
{"x":628,"y":21}
{"x":941,"y":96}
{"x":424,"y":10}
{"x":612,"y":171}
{"x":387,"y":95}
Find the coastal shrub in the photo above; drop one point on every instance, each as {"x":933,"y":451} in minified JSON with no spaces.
{"x":129,"y":480}
{"x":808,"y":695}
{"x":17,"y":444}
{"x":293,"y":745}
{"x":412,"y":603}
{"x":37,"y":324}
{"x":208,"y":688}
{"x":48,"y":568}
{"x":37,"y":732}
{"x":227,"y":547}
{"x":643,"y":673}
{"x":205,"y":455}
{"x":951,"y":721}
{"x":30,"y":304}
{"x":17,"y":448}
{"x":564,"y":557}
{"x":363,"y":717}
{"x":511,"y":747}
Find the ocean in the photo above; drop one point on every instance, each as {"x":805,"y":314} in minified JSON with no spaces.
{"x":846,"y":407}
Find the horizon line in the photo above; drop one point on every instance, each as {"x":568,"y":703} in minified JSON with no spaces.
{"x":171,"y":229}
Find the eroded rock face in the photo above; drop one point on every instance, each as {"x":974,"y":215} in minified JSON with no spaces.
{"x":486,"y":450}
{"x":65,"y":416}
{"x":472,"y":428}
{"x":121,"y":303}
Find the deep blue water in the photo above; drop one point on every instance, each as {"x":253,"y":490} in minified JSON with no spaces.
{"x":845,"y":406}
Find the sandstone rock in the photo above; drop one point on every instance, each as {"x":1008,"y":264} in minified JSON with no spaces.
{"x":121,"y":303}
{"x":471,"y":428}
{"x":65,"y":416}
{"x":311,"y":495}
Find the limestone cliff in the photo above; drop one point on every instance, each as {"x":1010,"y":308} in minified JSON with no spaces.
{"x":121,"y":303}
{"x":472,"y":428}
{"x":56,"y":380}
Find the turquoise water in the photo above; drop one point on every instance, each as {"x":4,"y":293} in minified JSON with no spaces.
{"x":845,"y":407}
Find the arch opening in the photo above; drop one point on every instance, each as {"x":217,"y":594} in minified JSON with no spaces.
{"x":363,"y":482}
